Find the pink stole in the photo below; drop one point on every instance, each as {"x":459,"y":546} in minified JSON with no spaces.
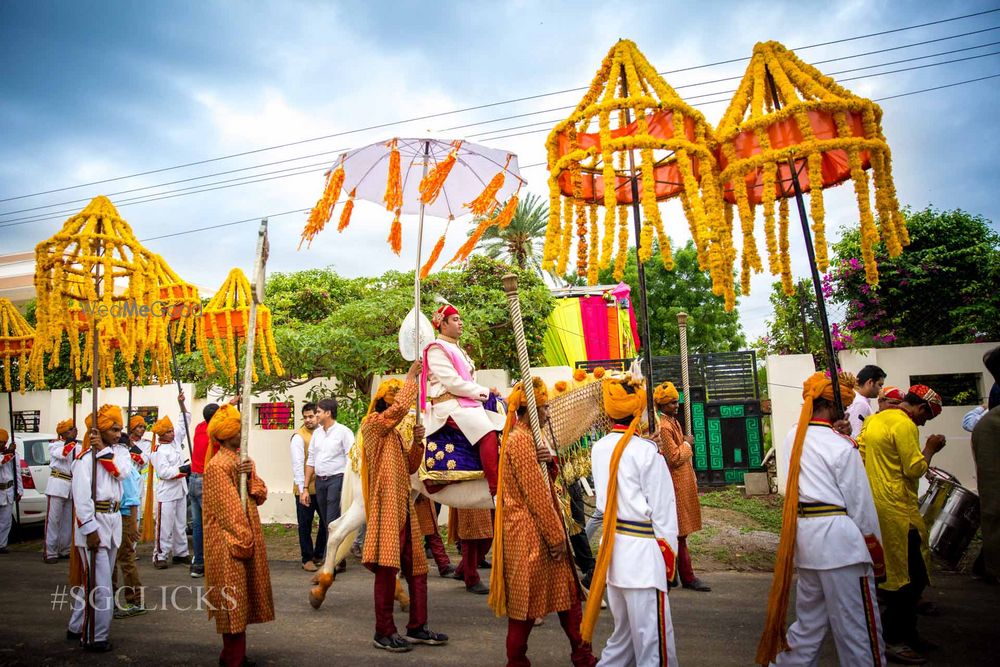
{"x":463,"y":369}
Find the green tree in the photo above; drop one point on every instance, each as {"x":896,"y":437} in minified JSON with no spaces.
{"x":794,"y":327}
{"x":942,"y":289}
{"x":689,"y":289}
{"x":520,"y":242}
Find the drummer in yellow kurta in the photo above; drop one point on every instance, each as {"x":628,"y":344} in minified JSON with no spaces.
{"x":890,"y":445}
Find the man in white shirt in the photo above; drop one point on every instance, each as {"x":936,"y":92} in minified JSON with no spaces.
{"x":10,"y":485}
{"x":312,"y":552}
{"x":326,"y":461}
{"x":870,"y":381}
{"x":169,"y":465}
{"x":59,"y":489}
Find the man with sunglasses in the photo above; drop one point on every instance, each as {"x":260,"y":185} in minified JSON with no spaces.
{"x":890,"y":447}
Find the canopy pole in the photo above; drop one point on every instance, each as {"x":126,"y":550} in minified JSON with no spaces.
{"x":685,"y":373}
{"x":416,"y":275}
{"x":811,"y":252}
{"x":180,"y":390}
{"x":644,"y":336}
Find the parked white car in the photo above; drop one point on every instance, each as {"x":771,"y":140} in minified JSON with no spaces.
{"x":33,"y":452}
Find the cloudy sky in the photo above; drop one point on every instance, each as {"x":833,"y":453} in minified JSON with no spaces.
{"x":102,"y":91}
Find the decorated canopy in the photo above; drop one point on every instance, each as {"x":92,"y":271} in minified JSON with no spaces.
{"x":16,"y":339}
{"x":179,"y":305}
{"x":627,"y":107}
{"x":225,"y":320}
{"x":830,"y":134}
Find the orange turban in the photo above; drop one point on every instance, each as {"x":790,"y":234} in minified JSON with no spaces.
{"x":225,"y":424}
{"x":107,"y":417}
{"x":664,"y":393}
{"x":136,"y":421}
{"x":64,"y":426}
{"x":3,"y":436}
{"x":929,"y":396}
{"x":620,"y":404}
{"x":162,"y":425}
{"x":387,"y":392}
{"x":820,"y":386}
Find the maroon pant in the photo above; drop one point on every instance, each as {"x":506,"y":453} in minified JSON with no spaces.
{"x":684,"y":566}
{"x":518,"y":631}
{"x":385,"y":589}
{"x":489,"y":456}
{"x":234,"y":649}
{"x":473,"y":552}
{"x":436,"y":546}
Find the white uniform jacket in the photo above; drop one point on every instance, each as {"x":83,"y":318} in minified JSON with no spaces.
{"x":10,"y":474}
{"x":645,"y":494}
{"x":61,"y":457}
{"x":443,"y":378}
{"x":167,"y":460}
{"x":832,"y":474}
{"x":109,"y":489}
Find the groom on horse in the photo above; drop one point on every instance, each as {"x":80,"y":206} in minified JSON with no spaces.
{"x":456,"y":415}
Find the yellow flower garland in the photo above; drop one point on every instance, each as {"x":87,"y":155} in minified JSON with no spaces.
{"x":648,"y":94}
{"x":233,"y":298}
{"x":16,"y":339}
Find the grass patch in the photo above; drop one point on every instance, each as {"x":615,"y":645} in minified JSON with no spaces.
{"x":280,"y":530}
{"x":764,"y":510}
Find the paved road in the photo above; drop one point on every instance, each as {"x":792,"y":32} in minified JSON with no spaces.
{"x":717,"y":628}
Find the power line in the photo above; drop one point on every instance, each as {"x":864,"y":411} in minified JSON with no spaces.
{"x":475,"y":108}
{"x":194,"y":189}
{"x":539,"y":164}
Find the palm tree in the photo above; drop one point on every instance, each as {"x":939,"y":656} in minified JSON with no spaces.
{"x":522,"y":240}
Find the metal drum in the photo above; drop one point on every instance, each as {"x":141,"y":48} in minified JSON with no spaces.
{"x":951,"y":513}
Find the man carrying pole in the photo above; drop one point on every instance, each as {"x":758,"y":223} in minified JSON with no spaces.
{"x":59,"y":489}
{"x":10,"y":486}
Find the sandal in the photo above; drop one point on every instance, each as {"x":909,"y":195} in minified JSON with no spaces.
{"x":903,"y":654}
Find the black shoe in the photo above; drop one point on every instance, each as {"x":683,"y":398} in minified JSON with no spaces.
{"x":479,"y":588}
{"x":342,"y":567}
{"x":73,"y":636}
{"x":587,"y":579}
{"x":197,"y":571}
{"x":425,"y":636}
{"x":181,"y":560}
{"x":672,"y":584}
{"x":697,"y":585}
{"x":393,"y":644}
{"x":98,"y":647}
{"x":485,"y":565}
{"x":448,"y":571}
{"x":457,"y":575}
{"x":4,"y":550}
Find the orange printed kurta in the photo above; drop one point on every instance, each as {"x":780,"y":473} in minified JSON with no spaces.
{"x":678,"y":455}
{"x":426,"y":515}
{"x":469,"y":524}
{"x":536,"y":584}
{"x":389,"y":506}
{"x":236,"y":571}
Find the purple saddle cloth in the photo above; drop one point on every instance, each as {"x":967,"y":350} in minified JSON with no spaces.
{"x":449,"y":456}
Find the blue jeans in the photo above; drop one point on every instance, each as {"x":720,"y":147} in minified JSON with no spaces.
{"x":594,"y":525}
{"x":194,"y":502}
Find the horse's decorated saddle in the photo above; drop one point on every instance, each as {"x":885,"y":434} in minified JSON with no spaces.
{"x":448,"y":454}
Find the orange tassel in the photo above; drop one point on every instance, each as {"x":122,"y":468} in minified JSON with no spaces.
{"x":507,"y":214}
{"x":486,"y":203}
{"x":435,"y":253}
{"x":394,"y":187}
{"x":396,"y":234}
{"x":323,"y":210}
{"x":345,"y":215}
{"x":431,"y":185}
{"x":470,"y":244}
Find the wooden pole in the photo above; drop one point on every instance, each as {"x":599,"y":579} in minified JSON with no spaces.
{"x":95,"y":373}
{"x":416,"y":280}
{"x":257,"y":292}
{"x":685,"y":376}
{"x":177,"y":378}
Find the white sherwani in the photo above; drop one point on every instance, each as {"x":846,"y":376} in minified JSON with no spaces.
{"x":10,"y":479}
{"x":637,"y":575}
{"x":107,"y":522}
{"x":59,"y":489}
{"x":171,"y":501}
{"x":443,"y":378}
{"x":836,"y":583}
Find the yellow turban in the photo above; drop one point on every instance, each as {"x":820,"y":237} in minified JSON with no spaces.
{"x":107,"y":417}
{"x":387,"y":392}
{"x":162,"y":425}
{"x":64,"y":426}
{"x":3,"y":436}
{"x":820,"y":386}
{"x":664,"y":393}
{"x":225,"y":424}
{"x":620,"y":404}
{"x":136,"y":421}
{"x":518,"y":398}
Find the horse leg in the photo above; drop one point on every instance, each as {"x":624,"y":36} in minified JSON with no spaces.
{"x":340,"y":536}
{"x":401,"y":596}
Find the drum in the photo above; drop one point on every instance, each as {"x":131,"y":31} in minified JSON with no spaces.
{"x":951,"y":513}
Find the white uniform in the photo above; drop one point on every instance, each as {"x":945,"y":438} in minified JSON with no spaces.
{"x":443,"y":378}
{"x":10,"y":485}
{"x":59,"y":489}
{"x":858,"y":411}
{"x":171,"y":501}
{"x":105,"y":518}
{"x":836,"y":583}
{"x":637,"y":575}
{"x":146,"y":446}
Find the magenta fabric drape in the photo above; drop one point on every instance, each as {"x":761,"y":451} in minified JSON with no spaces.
{"x":594,"y":313}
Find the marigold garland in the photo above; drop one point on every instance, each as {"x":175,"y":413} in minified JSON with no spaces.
{"x":425,"y":270}
{"x":345,"y":215}
{"x":16,"y":339}
{"x":431,"y":185}
{"x":486,"y":202}
{"x":808,"y":98}
{"x":323,"y":210}
{"x":394,"y":184}
{"x":226,"y":317}
{"x":592,"y":258}
{"x":396,"y":234}
{"x":661,"y":122}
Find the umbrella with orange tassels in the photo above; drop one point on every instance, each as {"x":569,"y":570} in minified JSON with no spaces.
{"x":439,"y":177}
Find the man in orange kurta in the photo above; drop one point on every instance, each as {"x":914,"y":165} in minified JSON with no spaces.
{"x":428,"y":519}
{"x":393,"y":542}
{"x":532,"y":569}
{"x":474,"y":529}
{"x":676,"y":449}
{"x":236,"y":571}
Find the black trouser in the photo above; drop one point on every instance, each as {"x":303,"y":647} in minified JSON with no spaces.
{"x":899,"y":620}
{"x":328,"y":497}
{"x":310,"y":550}
{"x":582,"y":554}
